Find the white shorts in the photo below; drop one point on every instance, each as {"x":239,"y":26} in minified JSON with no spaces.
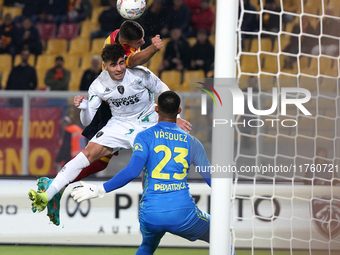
{"x":120,"y":133}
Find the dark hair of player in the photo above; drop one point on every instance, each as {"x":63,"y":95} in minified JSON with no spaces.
{"x":168,"y":104}
{"x":112,"y":52}
{"x":130,"y":31}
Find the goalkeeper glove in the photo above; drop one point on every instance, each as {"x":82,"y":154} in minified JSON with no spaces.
{"x":87,"y":191}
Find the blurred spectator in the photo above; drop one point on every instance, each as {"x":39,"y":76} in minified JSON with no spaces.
{"x":202,"y":53}
{"x":22,"y":77}
{"x":75,"y":11}
{"x":58,"y":78}
{"x":178,"y":17}
{"x":91,"y":74}
{"x":104,"y":2}
{"x":71,"y":140}
{"x":250,"y":21}
{"x":153,"y":21}
{"x":193,"y":5}
{"x":109,"y":20}
{"x":289,"y":6}
{"x":31,"y":9}
{"x":55,"y":11}
{"x":270,"y":21}
{"x":87,"y":5}
{"x":307,"y":43}
{"x":7,"y":33}
{"x":177,"y":52}
{"x":203,"y":18}
{"x":330,"y":27}
{"x":27,"y":36}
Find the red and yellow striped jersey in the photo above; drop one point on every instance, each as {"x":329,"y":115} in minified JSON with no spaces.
{"x":113,"y":37}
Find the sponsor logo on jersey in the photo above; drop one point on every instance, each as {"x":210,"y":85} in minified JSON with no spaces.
{"x":120,"y":89}
{"x":124,"y":101}
{"x":137,"y":147}
{"x":325,"y":212}
{"x":170,"y":187}
{"x":107,"y":90}
{"x":99,"y":134}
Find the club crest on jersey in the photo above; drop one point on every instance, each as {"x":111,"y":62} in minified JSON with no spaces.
{"x":99,"y":134}
{"x":325,"y":212}
{"x":107,"y":90}
{"x":120,"y":89}
{"x":137,"y":147}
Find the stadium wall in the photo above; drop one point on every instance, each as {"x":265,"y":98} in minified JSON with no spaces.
{"x":113,"y":220}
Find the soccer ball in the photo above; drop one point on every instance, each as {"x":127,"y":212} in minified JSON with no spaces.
{"x":131,"y":9}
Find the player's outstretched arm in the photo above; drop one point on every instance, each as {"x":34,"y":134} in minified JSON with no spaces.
{"x":130,"y":172}
{"x":88,"y":108}
{"x":142,"y":57}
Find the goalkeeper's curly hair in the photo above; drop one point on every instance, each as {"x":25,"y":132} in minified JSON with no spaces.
{"x":112,"y":52}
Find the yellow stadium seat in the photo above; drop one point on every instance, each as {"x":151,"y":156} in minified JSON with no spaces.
{"x":31,"y":60}
{"x":313,"y":7}
{"x":287,"y":81}
{"x":96,"y":13}
{"x":14,"y":11}
{"x":4,"y":78}
{"x":188,"y":75}
{"x":325,"y":64}
{"x":265,"y":45}
{"x":165,"y":42}
{"x":75,"y":80}
{"x":79,"y":46}
{"x":192,"y":41}
{"x":266,"y":82}
{"x":154,"y":62}
{"x":45,"y":62}
{"x":249,"y":64}
{"x":96,"y":3}
{"x":41,"y":79}
{"x":86,"y":28}
{"x":270,"y":64}
{"x":71,"y":61}
{"x":5,"y":62}
{"x":212,"y":39}
{"x":97,"y":46}
{"x":312,"y":69}
{"x":172,"y":78}
{"x":86,"y":61}
{"x":56,"y":46}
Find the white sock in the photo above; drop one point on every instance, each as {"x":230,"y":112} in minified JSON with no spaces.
{"x":67,"y":174}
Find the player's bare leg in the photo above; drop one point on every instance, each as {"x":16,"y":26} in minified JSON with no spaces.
{"x":68,"y":173}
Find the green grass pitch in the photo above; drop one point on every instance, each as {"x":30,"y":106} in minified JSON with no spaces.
{"x":57,"y":250}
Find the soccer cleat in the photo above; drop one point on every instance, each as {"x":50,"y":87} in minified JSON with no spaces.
{"x":39,"y":199}
{"x":34,"y":208}
{"x":53,"y":206}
